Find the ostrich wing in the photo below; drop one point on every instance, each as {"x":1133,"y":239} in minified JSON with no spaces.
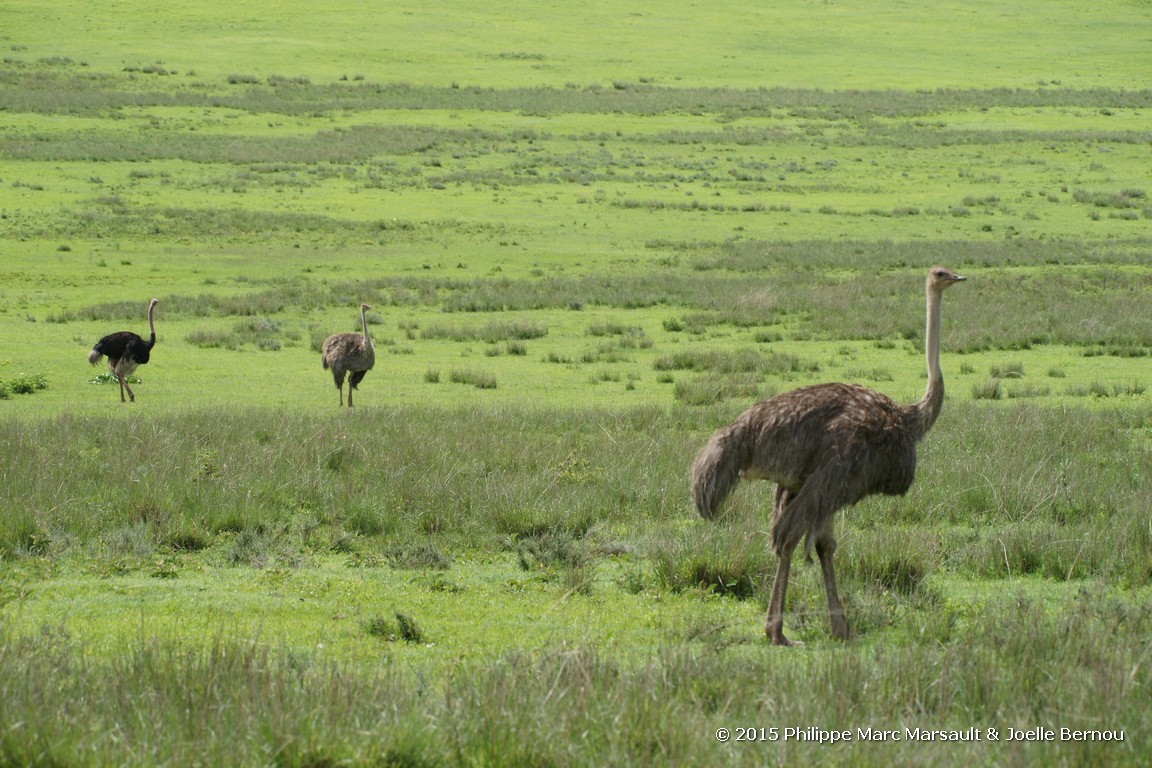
{"x":114,"y":345}
{"x":349,"y":352}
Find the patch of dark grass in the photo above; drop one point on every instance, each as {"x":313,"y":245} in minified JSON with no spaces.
{"x":751,"y":361}
{"x":1057,"y":552}
{"x":187,"y":540}
{"x":722,"y":560}
{"x":252,"y":548}
{"x":1131,"y":388}
{"x":1007,"y":371}
{"x":704,"y":573}
{"x":557,"y":555}
{"x":369,"y":519}
{"x":491,"y":332}
{"x":262,"y":332}
{"x":398,"y":627}
{"x":898,"y":572}
{"x":712,"y":388}
{"x":20,"y":536}
{"x":478,"y":379}
{"x":416,"y":555}
{"x":211,"y":338}
{"x":613,"y":328}
{"x":1120,"y":349}
{"x":549,"y":549}
{"x":1027,"y":390}
{"x":1125,"y":198}
{"x":873,"y":374}
{"x":989,"y":389}
{"x":1095,"y":389}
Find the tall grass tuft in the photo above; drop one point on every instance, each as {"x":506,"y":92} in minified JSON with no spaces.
{"x":989,"y":389}
{"x":724,"y":560}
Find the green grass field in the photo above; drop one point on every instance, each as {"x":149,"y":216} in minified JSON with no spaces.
{"x":590,"y":237}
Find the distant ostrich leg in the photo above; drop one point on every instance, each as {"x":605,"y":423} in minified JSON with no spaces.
{"x":826,"y":447}
{"x":349,"y":353}
{"x":125,"y":352}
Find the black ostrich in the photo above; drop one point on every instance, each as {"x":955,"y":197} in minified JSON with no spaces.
{"x":125,"y":351}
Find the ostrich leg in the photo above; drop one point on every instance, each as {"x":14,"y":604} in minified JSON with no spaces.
{"x":774,"y":624}
{"x":825,"y":547}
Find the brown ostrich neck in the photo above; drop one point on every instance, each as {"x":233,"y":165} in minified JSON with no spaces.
{"x":364,"y":324}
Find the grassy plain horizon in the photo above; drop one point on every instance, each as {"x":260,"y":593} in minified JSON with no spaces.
{"x":812,"y":44}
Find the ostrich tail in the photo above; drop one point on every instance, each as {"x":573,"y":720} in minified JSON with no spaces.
{"x":324,"y":361}
{"x":716,"y":472}
{"x":95,"y":355}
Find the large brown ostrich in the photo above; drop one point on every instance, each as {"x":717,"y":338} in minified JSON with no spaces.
{"x":349,"y":353}
{"x":125,"y":352}
{"x":826,"y":447}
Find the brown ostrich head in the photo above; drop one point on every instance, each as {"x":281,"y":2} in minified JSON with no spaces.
{"x":940,"y":278}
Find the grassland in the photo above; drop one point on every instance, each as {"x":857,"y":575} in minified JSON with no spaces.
{"x":590,"y":237}
{"x":521,"y":44}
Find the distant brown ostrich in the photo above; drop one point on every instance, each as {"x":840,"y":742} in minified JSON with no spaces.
{"x":349,"y":353}
{"x":125,"y":352}
{"x":826,"y":447}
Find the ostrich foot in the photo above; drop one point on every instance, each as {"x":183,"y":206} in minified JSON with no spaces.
{"x":784,"y":642}
{"x":775,"y":634}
